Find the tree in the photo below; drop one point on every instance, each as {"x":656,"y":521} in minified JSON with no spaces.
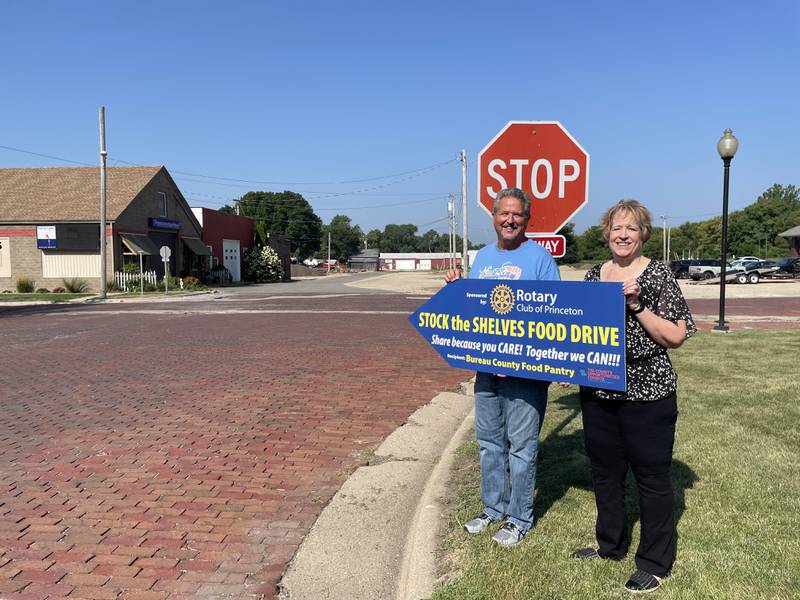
{"x":374,"y":238}
{"x":429,"y":242}
{"x":399,"y":238}
{"x":571,"y":254}
{"x":345,"y":238}
{"x":591,"y":245}
{"x":284,"y":213}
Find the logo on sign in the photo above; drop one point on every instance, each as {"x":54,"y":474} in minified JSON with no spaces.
{"x":502,"y":299}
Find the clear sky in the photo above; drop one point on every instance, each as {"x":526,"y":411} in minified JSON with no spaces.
{"x":331,"y":99}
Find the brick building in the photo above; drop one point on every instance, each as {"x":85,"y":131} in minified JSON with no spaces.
{"x":229,"y":236}
{"x":50,"y":224}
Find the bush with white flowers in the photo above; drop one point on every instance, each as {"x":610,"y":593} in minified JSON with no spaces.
{"x":262,"y":265}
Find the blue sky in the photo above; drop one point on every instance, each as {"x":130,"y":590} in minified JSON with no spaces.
{"x":312,"y":95}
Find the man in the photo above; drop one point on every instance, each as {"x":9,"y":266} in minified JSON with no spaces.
{"x":509,"y":410}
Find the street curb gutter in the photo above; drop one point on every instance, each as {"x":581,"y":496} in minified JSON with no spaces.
{"x":358,"y":545}
{"x":418,"y":571}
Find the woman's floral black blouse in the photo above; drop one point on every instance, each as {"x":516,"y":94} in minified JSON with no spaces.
{"x":649,"y":373}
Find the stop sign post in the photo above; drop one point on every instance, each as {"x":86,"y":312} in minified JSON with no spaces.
{"x":542,"y":158}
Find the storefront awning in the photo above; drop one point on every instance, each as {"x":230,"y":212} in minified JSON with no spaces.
{"x":139,"y":244}
{"x":196,"y":246}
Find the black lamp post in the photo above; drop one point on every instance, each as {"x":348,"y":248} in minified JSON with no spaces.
{"x":726,"y":146}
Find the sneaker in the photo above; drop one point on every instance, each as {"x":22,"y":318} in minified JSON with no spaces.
{"x":479,"y":523}
{"x":508,"y":535}
{"x":642,"y":582}
{"x":585,"y":553}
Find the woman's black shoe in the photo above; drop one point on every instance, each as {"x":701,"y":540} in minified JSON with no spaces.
{"x":642,"y":582}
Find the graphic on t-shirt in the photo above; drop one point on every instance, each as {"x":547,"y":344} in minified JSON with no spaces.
{"x":505,"y":271}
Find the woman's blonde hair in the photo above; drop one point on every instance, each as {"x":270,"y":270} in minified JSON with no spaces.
{"x":633,"y":207}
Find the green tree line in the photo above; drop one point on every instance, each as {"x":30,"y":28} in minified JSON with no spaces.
{"x":751,"y":231}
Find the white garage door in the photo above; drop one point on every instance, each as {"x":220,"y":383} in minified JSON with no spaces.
{"x":405,"y":265}
{"x":230,"y":256}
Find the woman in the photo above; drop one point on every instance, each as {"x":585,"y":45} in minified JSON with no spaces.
{"x":637,"y":427}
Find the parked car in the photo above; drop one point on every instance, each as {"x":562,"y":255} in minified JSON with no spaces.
{"x":680,"y":268}
{"x":706,"y":268}
{"x":742,"y":260}
{"x":790,"y":264}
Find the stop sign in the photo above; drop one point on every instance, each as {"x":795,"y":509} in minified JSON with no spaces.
{"x":542,"y":158}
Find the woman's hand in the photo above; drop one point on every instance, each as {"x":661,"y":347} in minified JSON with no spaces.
{"x":451,"y":275}
{"x":631,"y":289}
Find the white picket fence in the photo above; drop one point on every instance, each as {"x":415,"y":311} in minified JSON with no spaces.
{"x":124,"y":279}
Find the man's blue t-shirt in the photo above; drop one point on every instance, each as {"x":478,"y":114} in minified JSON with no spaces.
{"x":528,"y":261}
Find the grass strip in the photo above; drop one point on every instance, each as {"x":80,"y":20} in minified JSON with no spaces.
{"x":736,"y":480}
{"x":34,"y":297}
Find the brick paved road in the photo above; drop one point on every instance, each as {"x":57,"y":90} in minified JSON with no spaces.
{"x":186,"y":455}
{"x":183,"y":450}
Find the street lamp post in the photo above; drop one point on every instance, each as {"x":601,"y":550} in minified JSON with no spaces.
{"x":726,"y":146}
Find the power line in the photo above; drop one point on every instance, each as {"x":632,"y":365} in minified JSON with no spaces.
{"x":239,"y":182}
{"x":74,"y":162}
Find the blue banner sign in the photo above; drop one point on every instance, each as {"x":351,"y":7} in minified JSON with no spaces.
{"x":46,"y":236}
{"x":157,"y":223}
{"x":565,"y":331}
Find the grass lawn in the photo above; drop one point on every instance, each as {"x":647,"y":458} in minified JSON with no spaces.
{"x":736,"y":475}
{"x":40,"y":297}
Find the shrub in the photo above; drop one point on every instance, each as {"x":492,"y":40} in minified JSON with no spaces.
{"x":111,"y":286}
{"x":172,"y":281}
{"x":149,"y":287}
{"x":25,"y":285}
{"x":75,"y":285}
{"x":130,"y":268}
{"x":262,"y":265}
{"x":192,"y":283}
{"x":59,"y":290}
{"x":42,"y":291}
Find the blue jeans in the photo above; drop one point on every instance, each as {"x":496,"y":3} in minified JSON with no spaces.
{"x":508,"y":417}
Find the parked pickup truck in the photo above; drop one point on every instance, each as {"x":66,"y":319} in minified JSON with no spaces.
{"x":706,"y":268}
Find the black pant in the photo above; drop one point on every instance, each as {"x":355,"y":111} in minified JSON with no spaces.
{"x":639,"y":434}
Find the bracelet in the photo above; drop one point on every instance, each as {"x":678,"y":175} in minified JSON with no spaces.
{"x":637,"y":310}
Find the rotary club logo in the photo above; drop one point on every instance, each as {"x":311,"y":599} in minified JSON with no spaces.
{"x":502,"y":299}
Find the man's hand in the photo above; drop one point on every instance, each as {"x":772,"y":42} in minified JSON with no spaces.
{"x":451,"y":275}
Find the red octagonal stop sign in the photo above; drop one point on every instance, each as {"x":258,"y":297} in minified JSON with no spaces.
{"x":542,"y":158}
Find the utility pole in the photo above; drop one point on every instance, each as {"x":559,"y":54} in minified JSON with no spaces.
{"x":103,"y":156}
{"x":329,"y":253}
{"x":451,"y":224}
{"x":663,"y":238}
{"x":669,"y":241}
{"x":464,"y":255}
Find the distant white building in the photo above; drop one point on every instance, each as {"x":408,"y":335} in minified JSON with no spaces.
{"x":421,"y":261}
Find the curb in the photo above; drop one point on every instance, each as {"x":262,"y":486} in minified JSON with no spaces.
{"x":418,"y":570}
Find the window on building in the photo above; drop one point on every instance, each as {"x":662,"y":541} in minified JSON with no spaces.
{"x":162,"y":204}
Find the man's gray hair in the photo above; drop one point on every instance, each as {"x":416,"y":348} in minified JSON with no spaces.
{"x":517,"y":193}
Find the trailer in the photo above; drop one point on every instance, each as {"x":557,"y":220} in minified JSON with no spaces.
{"x":740,"y":276}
